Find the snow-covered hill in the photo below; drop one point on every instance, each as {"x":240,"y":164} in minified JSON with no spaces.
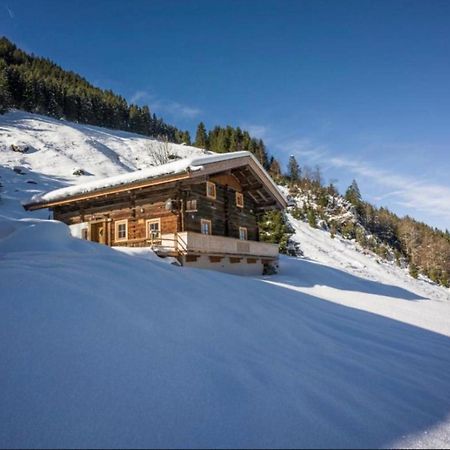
{"x":58,"y":148}
{"x":384,"y":280}
{"x":47,"y":152}
{"x":105,"y":349}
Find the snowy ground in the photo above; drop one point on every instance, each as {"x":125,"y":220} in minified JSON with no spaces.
{"x":107,"y":348}
{"x":370,"y":283}
{"x":104,"y":349}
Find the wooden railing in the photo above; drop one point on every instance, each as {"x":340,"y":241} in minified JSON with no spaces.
{"x":189,"y":241}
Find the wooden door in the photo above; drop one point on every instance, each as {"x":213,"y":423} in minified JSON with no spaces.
{"x":98,"y":232}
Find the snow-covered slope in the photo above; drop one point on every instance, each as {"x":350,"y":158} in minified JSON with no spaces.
{"x":326,"y":259}
{"x":102,"y":349}
{"x":58,"y":147}
{"x":105,"y":349}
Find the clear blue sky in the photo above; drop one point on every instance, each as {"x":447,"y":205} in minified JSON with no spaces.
{"x":361,"y":88}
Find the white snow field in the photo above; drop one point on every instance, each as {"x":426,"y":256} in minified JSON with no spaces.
{"x":103,"y":349}
{"x":107,"y":348}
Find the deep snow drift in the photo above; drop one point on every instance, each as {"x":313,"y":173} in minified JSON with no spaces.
{"x":104,"y":349}
{"x":101,"y":348}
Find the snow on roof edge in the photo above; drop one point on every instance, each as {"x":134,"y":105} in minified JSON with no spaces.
{"x":175,"y":167}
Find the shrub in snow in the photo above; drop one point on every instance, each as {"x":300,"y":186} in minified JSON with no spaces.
{"x":293,"y":248}
{"x":19,"y":148}
{"x":80,"y":172}
{"x":19,"y":170}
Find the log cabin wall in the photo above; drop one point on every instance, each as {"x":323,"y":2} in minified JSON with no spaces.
{"x":150,"y":203}
{"x":225,"y":215}
{"x":135,"y":207}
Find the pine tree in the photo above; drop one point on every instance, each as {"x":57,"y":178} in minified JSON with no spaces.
{"x":274,"y":228}
{"x":413,"y":270}
{"x":274,"y":168}
{"x":186,"y":138}
{"x":293,"y":169}
{"x":5,"y":97}
{"x":201,"y":138}
{"x":353,"y":195}
{"x":312,"y":218}
{"x":145,"y":120}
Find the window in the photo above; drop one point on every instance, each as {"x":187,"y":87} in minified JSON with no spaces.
{"x":121,"y":228}
{"x":191,"y":205}
{"x":242,"y":233}
{"x":205,"y":226}
{"x":210,"y":190}
{"x":154,"y":229}
{"x":84,"y":233}
{"x":239,"y":199}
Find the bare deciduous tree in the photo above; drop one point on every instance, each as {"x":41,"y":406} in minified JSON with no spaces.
{"x":159,"y":152}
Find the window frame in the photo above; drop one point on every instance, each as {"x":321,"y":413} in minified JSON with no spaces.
{"x":147,"y":223}
{"x":191,"y":209}
{"x":245,"y":233}
{"x":117,"y":223}
{"x":239,"y":196}
{"x":209,"y":222}
{"x":213,"y":185}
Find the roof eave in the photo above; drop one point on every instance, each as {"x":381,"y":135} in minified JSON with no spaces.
{"x":186,"y":174}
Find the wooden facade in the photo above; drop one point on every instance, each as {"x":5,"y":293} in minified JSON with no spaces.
{"x":223,"y":200}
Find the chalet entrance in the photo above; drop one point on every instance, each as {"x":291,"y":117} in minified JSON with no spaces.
{"x":98,"y":232}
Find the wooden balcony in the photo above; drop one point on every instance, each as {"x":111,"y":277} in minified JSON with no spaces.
{"x":196,"y":243}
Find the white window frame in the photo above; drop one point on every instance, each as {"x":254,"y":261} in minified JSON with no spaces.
{"x":239,"y":199}
{"x":206,"y":221}
{"x":210,"y":184}
{"x":147,"y":231}
{"x":245,"y":233}
{"x":117,"y":223}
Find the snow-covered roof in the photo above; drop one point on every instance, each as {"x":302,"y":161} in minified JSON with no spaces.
{"x":172,"y":168}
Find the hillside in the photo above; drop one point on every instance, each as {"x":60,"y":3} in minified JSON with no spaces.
{"x":102,"y":348}
{"x":58,"y":147}
{"x":422,"y":249}
{"x":38,"y":85}
{"x":49,"y":152}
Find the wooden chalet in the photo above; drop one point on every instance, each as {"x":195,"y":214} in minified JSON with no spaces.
{"x":203,"y":211}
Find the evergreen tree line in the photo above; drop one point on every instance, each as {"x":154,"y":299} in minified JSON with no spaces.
{"x":40,"y":86}
{"x":234,"y":139}
{"x":426,"y":249}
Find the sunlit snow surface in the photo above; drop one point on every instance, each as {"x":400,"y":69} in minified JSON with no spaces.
{"x":101,"y":348}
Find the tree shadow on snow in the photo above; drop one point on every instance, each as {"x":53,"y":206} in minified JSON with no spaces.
{"x":308,"y":273}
